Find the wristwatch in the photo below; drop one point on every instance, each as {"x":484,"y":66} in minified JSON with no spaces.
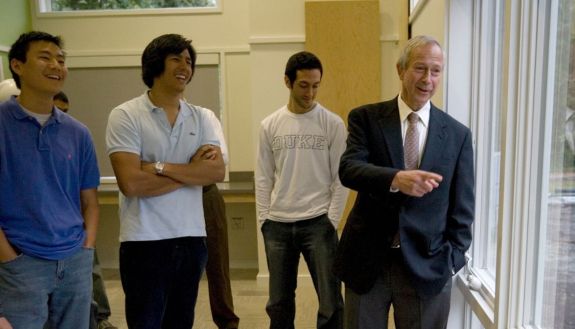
{"x":159,"y":166}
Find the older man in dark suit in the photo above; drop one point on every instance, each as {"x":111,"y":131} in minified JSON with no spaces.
{"x":412,"y":166}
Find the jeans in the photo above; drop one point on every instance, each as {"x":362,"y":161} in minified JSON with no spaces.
{"x":160,"y":280}
{"x":316,"y":240}
{"x":56,"y":293}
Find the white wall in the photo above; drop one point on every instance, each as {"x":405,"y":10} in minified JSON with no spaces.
{"x":250,"y":40}
{"x":219,"y":38}
{"x":429,"y":18}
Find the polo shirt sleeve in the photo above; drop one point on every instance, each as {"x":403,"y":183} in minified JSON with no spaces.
{"x":90,"y":174}
{"x":122,"y":134}
{"x":217,"y":127}
{"x":209,"y":134}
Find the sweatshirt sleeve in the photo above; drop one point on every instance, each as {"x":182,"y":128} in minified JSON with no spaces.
{"x":339,"y":193}
{"x":264,"y":175}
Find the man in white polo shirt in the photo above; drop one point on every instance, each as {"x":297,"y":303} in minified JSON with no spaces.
{"x":163,"y":151}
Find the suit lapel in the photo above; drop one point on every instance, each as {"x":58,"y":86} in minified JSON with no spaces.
{"x":436,"y":137}
{"x":390,"y":126}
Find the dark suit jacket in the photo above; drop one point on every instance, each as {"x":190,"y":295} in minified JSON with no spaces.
{"x":435,"y":229}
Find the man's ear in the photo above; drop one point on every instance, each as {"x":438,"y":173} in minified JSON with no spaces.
{"x":399,"y":71}
{"x":16,"y":65}
{"x":287,"y":82}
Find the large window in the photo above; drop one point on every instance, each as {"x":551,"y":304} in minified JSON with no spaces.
{"x":125,"y":6}
{"x":523,"y":119}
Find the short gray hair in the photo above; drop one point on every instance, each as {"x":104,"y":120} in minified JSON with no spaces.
{"x":412,"y":44}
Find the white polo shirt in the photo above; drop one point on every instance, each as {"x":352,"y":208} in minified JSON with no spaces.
{"x":139,"y":127}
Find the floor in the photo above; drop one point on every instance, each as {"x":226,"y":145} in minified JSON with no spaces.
{"x":249,"y":301}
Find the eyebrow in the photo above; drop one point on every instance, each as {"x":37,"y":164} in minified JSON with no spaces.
{"x":61,"y":54}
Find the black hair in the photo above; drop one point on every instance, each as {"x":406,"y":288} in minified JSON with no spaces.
{"x":154,"y":56}
{"x":20,"y":48}
{"x":61,"y":96}
{"x":303,"y":60}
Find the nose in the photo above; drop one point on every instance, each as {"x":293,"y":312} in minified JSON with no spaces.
{"x":426,"y":75}
{"x":55,"y":63}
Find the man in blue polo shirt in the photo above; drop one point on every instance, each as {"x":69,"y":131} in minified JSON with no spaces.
{"x":48,"y":199}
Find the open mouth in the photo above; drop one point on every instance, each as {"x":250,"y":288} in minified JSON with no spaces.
{"x":54,"y":77}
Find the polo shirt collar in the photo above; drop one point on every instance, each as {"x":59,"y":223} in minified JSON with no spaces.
{"x":19,"y":113}
{"x":185,"y":108}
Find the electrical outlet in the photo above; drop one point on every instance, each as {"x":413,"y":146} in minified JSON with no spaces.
{"x":237,"y":223}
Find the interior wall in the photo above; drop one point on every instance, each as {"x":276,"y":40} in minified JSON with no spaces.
{"x":14,"y":20}
{"x":430,"y":20}
{"x":253,"y":39}
{"x":221,"y":38}
{"x":393,"y":22}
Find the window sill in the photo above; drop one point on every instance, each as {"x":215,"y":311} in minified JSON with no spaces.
{"x":479,"y":305}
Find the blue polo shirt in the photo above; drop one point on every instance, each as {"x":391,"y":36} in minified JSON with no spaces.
{"x":42,"y":171}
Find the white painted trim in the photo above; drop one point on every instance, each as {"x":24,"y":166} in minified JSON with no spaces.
{"x":275,"y":39}
{"x":479,"y":305}
{"x":527,"y":90}
{"x":4,"y":48}
{"x":138,"y":52}
{"x":471,"y":87}
{"x":283,"y":39}
{"x":128,"y":58}
{"x":417,"y":10}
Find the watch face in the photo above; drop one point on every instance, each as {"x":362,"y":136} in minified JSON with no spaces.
{"x":159,"y":166}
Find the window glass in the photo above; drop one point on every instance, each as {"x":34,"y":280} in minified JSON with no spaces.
{"x":489,"y":32}
{"x":86,"y":5}
{"x":559,"y":258}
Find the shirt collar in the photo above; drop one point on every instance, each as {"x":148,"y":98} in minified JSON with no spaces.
{"x":20,"y":113}
{"x":405,"y":110}
{"x":185,"y":107}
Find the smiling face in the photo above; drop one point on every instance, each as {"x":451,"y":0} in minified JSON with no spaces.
{"x":421,"y":76}
{"x":177,"y":72}
{"x":44,"y":70}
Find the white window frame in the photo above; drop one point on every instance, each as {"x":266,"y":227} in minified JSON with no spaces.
{"x":485,"y":102}
{"x":513,"y":299}
{"x":472,"y":85}
{"x":528,"y":92}
{"x":42,"y":11}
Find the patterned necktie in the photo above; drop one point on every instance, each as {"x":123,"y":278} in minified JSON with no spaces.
{"x":411,"y":154}
{"x":411,"y":146}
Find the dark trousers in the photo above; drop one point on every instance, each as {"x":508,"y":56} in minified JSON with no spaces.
{"x":316,"y":240}
{"x":393,"y":287}
{"x":160,"y":280}
{"x":218,"y":267}
{"x":99,"y":291}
